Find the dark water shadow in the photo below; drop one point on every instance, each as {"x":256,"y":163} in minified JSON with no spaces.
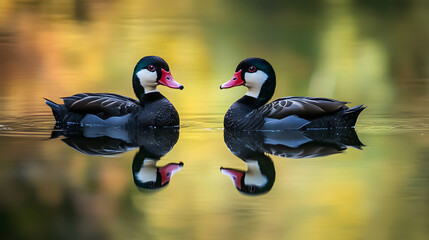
{"x":253,"y":148}
{"x":153,"y":144}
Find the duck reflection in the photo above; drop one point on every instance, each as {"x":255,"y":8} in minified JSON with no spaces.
{"x":253,"y":146}
{"x":153,"y":144}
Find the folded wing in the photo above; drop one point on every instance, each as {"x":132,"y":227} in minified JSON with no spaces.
{"x":104,"y":105}
{"x":303,"y":107}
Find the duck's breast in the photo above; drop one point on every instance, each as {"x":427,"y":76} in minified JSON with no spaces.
{"x":157,"y":114}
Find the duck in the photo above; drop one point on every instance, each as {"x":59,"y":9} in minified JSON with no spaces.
{"x":255,"y":147}
{"x":260,"y":174}
{"x":151,"y":110}
{"x":152,"y":144}
{"x":251,"y":112}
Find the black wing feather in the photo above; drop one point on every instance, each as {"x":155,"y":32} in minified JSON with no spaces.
{"x":104,"y":105}
{"x":305,"y":107}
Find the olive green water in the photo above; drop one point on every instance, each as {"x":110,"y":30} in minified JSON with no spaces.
{"x":364,"y":52}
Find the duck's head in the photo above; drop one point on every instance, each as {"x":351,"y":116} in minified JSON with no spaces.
{"x":252,"y":181}
{"x":149,"y":176}
{"x":257,"y":75}
{"x":150,"y":72}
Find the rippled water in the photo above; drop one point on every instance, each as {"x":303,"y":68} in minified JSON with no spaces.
{"x":64,"y":185}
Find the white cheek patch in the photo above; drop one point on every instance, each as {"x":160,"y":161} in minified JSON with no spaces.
{"x":147,"y":171}
{"x":254,"y":82}
{"x":147,"y":80}
{"x":254,"y":175}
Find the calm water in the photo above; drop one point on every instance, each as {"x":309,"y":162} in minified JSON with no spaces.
{"x":86,"y":185}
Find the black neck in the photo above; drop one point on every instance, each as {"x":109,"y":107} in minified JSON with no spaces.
{"x":152,"y":97}
{"x":251,"y":102}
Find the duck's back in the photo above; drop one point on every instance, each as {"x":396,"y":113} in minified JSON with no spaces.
{"x":300,"y":113}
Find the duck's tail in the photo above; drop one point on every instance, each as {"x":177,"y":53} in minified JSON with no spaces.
{"x":57,"y":109}
{"x":350,"y":115}
{"x":343,"y":118}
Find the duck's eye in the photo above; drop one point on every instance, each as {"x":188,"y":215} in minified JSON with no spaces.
{"x":252,"y":69}
{"x":151,"y":68}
